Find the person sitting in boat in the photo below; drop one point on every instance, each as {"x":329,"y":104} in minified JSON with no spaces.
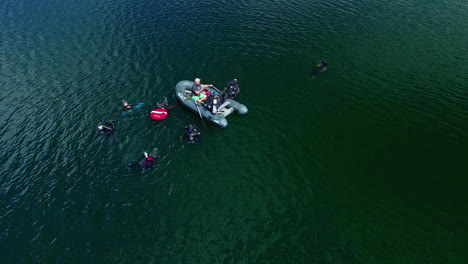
{"x":197,"y":90}
{"x":126,"y":106}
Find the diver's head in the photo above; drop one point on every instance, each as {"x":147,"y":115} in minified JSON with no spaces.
{"x":197,"y":81}
{"x":125,"y":103}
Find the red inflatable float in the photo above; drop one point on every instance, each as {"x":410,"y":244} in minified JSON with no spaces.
{"x":158,"y":114}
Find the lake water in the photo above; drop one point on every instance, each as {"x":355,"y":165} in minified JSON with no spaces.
{"x":366,"y":163}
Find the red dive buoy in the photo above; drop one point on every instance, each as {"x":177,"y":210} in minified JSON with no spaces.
{"x":158,"y":114}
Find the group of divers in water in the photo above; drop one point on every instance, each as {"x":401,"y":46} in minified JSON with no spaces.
{"x":192,"y":132}
{"x":108,"y":128}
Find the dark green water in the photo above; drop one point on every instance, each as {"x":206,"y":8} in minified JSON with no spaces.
{"x":367,"y":163}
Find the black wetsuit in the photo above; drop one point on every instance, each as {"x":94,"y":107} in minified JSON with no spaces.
{"x":192,"y":132}
{"x":146,"y":163}
{"x":323,"y":64}
{"x":164,"y":104}
{"x":108,"y":127}
{"x":321,"y":67}
{"x":128,"y":107}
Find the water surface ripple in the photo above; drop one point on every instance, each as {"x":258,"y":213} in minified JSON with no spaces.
{"x":366,"y":163}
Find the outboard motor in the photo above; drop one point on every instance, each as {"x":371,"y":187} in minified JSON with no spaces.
{"x":232,"y":89}
{"x":192,"y":133}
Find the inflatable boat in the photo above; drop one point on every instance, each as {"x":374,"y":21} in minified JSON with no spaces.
{"x":216,"y":107}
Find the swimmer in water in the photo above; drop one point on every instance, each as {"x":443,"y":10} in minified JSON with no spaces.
{"x":321,"y":66}
{"x":192,"y":132}
{"x":107,"y":127}
{"x":126,"y":106}
{"x":146,"y":163}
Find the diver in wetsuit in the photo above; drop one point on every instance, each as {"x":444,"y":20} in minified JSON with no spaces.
{"x":163,"y":104}
{"x":126,"y":106}
{"x":146,"y":163}
{"x":320,"y":67}
{"x":192,"y":133}
{"x":107,"y":128}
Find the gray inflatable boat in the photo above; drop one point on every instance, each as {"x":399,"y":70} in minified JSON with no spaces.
{"x":218,"y":105}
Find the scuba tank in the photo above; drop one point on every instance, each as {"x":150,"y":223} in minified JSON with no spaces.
{"x":208,"y":102}
{"x":215,"y":102}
